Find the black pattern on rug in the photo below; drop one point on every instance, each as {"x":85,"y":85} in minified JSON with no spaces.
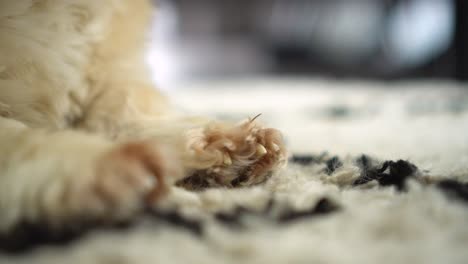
{"x":28,"y":236}
{"x":390,"y":173}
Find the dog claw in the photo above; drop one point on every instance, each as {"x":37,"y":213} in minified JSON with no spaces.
{"x":227,"y":160}
{"x":275,"y":147}
{"x":261,"y":150}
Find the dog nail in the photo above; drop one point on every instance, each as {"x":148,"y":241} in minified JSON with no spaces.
{"x":227,"y":159}
{"x":261,"y":150}
{"x":275,"y":147}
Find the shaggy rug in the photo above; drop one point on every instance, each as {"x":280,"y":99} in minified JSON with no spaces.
{"x":378,"y":174}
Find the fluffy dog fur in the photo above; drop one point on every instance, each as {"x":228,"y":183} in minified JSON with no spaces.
{"x":83,"y":132}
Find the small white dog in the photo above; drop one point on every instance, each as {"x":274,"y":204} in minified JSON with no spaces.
{"x":84,"y":134}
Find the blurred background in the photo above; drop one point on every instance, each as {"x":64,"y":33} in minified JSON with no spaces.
{"x":352,"y":39}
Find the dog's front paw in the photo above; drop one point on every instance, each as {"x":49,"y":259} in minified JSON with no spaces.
{"x":119,"y":183}
{"x":233,"y":155}
{"x":132,"y":175}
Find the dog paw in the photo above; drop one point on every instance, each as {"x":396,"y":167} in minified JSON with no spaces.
{"x":233,"y":155}
{"x":122,"y":182}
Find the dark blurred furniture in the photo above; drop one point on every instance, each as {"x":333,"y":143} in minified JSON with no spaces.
{"x":292,"y":45}
{"x":460,"y":44}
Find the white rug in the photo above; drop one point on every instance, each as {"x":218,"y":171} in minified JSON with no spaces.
{"x":314,"y":213}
